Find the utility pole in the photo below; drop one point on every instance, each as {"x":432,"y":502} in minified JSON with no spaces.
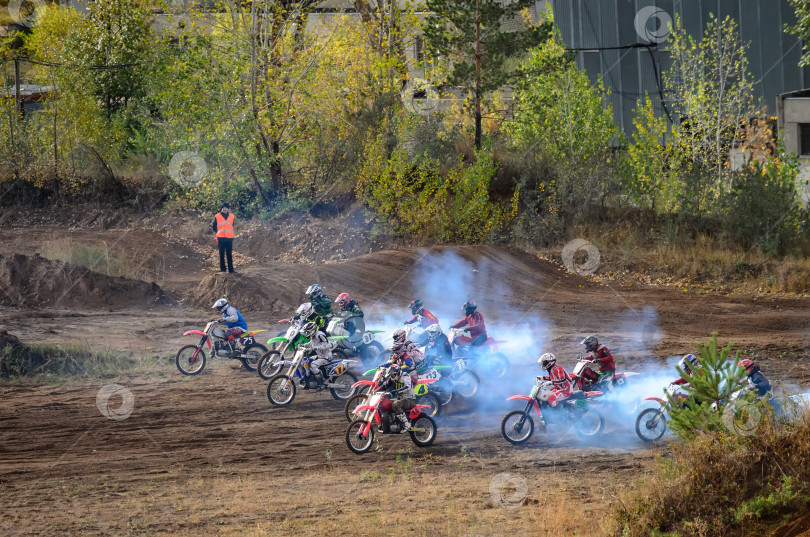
{"x":17,"y":101}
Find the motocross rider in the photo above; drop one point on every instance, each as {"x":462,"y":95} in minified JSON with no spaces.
{"x":475,"y":322}
{"x":231,"y":317}
{"x":755,"y":377}
{"x":563,"y":386}
{"x":306,"y":314}
{"x":686,"y":363}
{"x":600,"y":354}
{"x":438,"y":345}
{"x":421,"y":316}
{"x":354,"y":315}
{"x":411,"y":351}
{"x":318,"y":348}
{"x":319,"y":300}
{"x":401,"y":387}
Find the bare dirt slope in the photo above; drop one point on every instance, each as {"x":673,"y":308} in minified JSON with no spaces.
{"x":208,"y":454}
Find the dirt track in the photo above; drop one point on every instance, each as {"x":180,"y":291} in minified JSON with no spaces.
{"x":208,"y":454}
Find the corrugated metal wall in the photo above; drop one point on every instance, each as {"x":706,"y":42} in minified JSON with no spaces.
{"x":773,"y":55}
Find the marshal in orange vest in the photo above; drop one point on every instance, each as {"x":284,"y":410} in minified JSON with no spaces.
{"x":225,"y":226}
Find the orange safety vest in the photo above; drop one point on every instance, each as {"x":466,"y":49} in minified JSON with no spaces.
{"x":225,"y":226}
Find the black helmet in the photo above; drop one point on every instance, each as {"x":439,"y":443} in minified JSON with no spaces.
{"x":469,"y":307}
{"x":590,"y":342}
{"x":416,"y":306}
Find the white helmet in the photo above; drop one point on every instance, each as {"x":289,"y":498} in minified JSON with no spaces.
{"x":547,"y":361}
{"x":219,"y":304}
{"x":434,"y":331}
{"x":305,"y":310}
{"x":313,"y":289}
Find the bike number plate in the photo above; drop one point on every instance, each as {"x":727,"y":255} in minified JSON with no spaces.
{"x":368,"y":337}
{"x":248,"y":341}
{"x":432,"y":374}
{"x":338,"y":369}
{"x":619,"y":382}
{"x":534,"y":392}
{"x":420,"y":389}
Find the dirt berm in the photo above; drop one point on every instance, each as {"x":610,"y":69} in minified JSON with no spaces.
{"x":33,"y":281}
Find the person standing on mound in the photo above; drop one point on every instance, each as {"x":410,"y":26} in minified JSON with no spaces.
{"x":223,"y":227}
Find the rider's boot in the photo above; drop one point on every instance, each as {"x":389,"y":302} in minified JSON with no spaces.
{"x":406,"y":423}
{"x":319,"y":381}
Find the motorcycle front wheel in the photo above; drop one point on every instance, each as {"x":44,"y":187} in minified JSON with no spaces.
{"x":190,"y":359}
{"x":354,"y":402}
{"x":356,"y":441}
{"x":347,"y":381}
{"x":432,"y":402}
{"x":651,"y":424}
{"x":281,"y":390}
{"x":253,"y":354}
{"x":270,"y":364}
{"x":426,"y":430}
{"x":517,"y":427}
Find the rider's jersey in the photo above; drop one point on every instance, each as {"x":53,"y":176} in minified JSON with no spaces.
{"x":560,"y":378}
{"x":759,"y":381}
{"x":354,"y":318}
{"x":320,"y":344}
{"x":440,"y":349}
{"x":233,"y":318}
{"x":604,"y":357}
{"x":424,"y":319}
{"x":322,"y":304}
{"x":475,"y":322}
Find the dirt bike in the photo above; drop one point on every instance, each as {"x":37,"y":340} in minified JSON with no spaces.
{"x":483,"y":358}
{"x":285,"y":345}
{"x":452,"y":380}
{"x":335,"y":376}
{"x":518,"y":426}
{"x":586,"y":379}
{"x":378,"y":411}
{"x":362,"y":343}
{"x":191,"y":359}
{"x":424,"y":397}
{"x":651,"y":423}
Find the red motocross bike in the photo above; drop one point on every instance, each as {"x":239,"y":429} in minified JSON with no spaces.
{"x":191,"y":359}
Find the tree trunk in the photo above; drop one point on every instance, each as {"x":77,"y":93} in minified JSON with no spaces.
{"x":477,"y":77}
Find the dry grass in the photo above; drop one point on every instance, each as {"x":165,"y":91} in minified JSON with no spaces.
{"x":99,"y":258}
{"x":403,"y":500}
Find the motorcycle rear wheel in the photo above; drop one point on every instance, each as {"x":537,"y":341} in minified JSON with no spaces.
{"x":357,"y":443}
{"x":270,"y":364}
{"x":426,"y":438}
{"x":253,"y":353}
{"x":651,"y":425}
{"x":496,"y":365}
{"x":281,"y":390}
{"x":354,"y":402}
{"x":348,"y":380}
{"x":187,"y":362}
{"x":433,"y":402}
{"x":517,"y":427}
{"x":465,"y":383}
{"x":370,"y":354}
{"x":590,"y":423}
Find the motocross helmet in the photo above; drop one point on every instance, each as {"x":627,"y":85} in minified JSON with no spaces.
{"x":343,"y":299}
{"x":305,"y":310}
{"x":416,"y":306}
{"x":590,"y":342}
{"x":433,"y":331}
{"x":547,"y":361}
{"x":399,"y":336}
{"x":469,"y":307}
{"x":310,"y":329}
{"x":314,"y":289}
{"x":687,"y":362}
{"x":221,"y":305}
{"x":747,"y":364}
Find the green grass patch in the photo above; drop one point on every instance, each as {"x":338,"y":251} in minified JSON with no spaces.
{"x":19,"y":361}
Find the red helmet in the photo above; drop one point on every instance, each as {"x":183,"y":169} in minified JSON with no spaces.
{"x":343,"y":299}
{"x":746,"y":363}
